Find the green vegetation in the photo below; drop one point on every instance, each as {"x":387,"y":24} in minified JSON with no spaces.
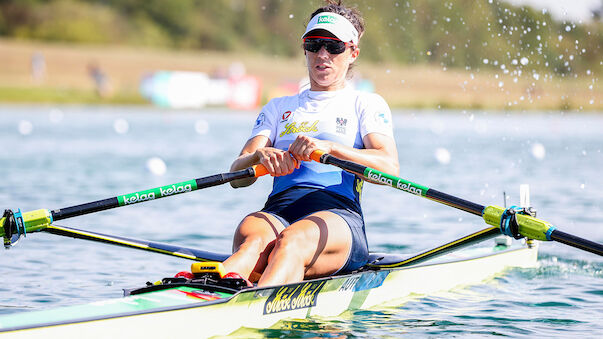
{"x":65,"y":96}
{"x":465,"y":34}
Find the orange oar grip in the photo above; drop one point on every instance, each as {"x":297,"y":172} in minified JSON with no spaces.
{"x":260,"y":170}
{"x":316,"y":155}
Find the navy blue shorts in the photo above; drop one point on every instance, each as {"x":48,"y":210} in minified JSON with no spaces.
{"x":298,"y":202}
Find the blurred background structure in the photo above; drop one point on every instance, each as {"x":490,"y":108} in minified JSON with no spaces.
{"x":490,"y":54}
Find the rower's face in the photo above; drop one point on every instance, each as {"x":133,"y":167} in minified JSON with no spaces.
{"x":327,"y":71}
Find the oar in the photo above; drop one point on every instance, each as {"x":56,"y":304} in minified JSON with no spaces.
{"x":509,"y":222}
{"x":14,"y":224}
{"x":149,"y":246}
{"x":468,"y":240}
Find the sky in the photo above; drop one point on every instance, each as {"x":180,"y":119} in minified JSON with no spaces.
{"x":564,"y":9}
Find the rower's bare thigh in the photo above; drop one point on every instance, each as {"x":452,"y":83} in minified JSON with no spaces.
{"x":258,"y":226}
{"x":324,"y":240}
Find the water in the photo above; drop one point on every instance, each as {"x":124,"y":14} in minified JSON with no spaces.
{"x":56,"y":157}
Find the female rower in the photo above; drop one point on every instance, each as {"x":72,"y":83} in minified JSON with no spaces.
{"x":312,"y":223}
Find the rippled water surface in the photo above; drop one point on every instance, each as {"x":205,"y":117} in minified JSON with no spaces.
{"x":53,"y":157}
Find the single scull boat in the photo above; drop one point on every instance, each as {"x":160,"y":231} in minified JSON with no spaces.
{"x":211,"y":308}
{"x":164,"y":309}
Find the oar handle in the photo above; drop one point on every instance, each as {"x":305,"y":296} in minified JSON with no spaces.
{"x":317,"y":155}
{"x":259,"y":170}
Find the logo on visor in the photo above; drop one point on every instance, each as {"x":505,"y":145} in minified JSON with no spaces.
{"x":327,"y":19}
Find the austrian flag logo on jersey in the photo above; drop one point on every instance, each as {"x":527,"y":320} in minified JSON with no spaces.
{"x":341,"y":122}
{"x":286,"y":116}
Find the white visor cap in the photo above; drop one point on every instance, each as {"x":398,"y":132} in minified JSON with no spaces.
{"x":338,"y":25}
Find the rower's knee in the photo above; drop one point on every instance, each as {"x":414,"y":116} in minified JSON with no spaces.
{"x":253,"y":244}
{"x":292,"y":242}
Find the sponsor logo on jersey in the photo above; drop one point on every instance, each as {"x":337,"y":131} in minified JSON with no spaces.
{"x":260,"y":120}
{"x":303,"y":127}
{"x":286,"y":116}
{"x":381,"y":118}
{"x":341,"y":122}
{"x":293,"y":297}
{"x":358,"y":187}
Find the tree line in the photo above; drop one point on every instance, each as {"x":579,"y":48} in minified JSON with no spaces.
{"x":469,"y":34}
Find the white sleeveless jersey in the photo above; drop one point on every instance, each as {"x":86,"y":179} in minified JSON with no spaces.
{"x":344,"y":116}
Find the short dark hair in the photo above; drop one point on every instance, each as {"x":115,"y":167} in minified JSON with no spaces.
{"x":350,"y":13}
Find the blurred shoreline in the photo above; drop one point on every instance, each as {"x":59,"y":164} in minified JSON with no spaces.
{"x":42,"y":72}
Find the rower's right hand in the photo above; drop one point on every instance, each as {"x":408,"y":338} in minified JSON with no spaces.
{"x":276,"y":161}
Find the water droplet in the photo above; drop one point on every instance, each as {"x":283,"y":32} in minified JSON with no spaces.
{"x":442,"y":155}
{"x":201,"y":127}
{"x":156,"y":166}
{"x":55,"y":116}
{"x":25,"y":127}
{"x":538,"y":151}
{"x":486,"y":61}
{"x":121,"y":126}
{"x":524,"y":61}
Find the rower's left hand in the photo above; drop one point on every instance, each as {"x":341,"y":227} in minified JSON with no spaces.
{"x":303,"y":146}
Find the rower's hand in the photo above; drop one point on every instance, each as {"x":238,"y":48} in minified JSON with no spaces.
{"x":276,"y":161}
{"x":303,"y":146}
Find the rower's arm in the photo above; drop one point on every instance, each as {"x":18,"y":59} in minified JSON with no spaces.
{"x":247,"y":158}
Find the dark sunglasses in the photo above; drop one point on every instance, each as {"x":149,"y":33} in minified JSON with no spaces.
{"x":333,"y":46}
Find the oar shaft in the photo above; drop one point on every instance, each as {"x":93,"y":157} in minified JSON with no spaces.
{"x":156,"y":193}
{"x":577,"y":242}
{"x":455,"y":202}
{"x":471,"y":239}
{"x":38,"y":220}
{"x":374,"y":175}
{"x":496,"y":216}
{"x":149,"y":246}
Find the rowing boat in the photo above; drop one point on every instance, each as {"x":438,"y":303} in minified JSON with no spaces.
{"x":167,"y":308}
{"x":210,"y":308}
